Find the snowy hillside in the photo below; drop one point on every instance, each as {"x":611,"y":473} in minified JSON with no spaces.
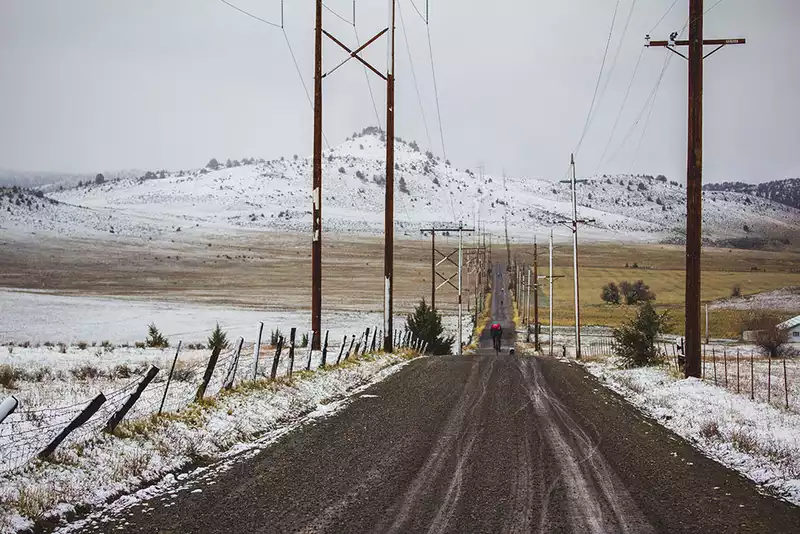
{"x":276,"y":195}
{"x":784,"y":191}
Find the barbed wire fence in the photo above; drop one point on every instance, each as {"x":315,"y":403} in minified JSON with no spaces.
{"x":740,"y":370}
{"x":30,"y":434}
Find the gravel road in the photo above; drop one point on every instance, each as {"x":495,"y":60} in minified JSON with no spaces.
{"x":481,"y":443}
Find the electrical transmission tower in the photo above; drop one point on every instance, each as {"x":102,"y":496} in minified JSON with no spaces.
{"x":316,"y":249}
{"x":694,"y":172}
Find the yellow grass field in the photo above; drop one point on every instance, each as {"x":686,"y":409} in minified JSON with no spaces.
{"x":661,"y":267}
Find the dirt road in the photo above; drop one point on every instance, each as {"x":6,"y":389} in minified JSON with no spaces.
{"x":482,"y":443}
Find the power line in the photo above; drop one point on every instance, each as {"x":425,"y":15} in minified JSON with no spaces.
{"x":597,"y":85}
{"x":424,"y":18}
{"x":663,"y":16}
{"x":621,"y":108}
{"x":369,"y":85}
{"x":644,"y":130}
{"x":302,"y":81}
{"x":337,"y":15}
{"x":251,"y":15}
{"x":704,"y":12}
{"x":644,"y":108}
{"x":414,"y":73}
{"x":616,"y":55}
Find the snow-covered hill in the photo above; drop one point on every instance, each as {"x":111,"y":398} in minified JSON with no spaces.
{"x":784,"y":191}
{"x":277,"y":195}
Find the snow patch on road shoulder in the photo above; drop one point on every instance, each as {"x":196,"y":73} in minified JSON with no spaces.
{"x":228,"y":428}
{"x":755,"y":439}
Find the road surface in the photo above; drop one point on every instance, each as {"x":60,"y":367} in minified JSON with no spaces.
{"x":482,"y":443}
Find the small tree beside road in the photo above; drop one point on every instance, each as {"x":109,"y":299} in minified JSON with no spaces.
{"x":635,"y":340}
{"x":426,"y":324}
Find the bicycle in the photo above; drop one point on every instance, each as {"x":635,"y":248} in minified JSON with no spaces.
{"x":497,"y":345}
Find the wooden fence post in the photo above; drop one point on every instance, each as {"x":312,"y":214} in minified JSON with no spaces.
{"x":84,"y":416}
{"x":277,"y":359}
{"x":169,"y":378}
{"x":366,"y":342}
{"x":117,"y":418}
{"x":341,"y":349}
{"x":230,"y":378}
{"x":350,"y":348}
{"x":257,"y":350}
{"x":292,"y":334}
{"x":374,"y":339}
{"x":324,"y":361}
{"x":212,"y":363}
{"x":8,"y":406}
{"x":752,"y":394}
{"x":310,"y":351}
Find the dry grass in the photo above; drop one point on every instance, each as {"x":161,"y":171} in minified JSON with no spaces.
{"x":661,"y":267}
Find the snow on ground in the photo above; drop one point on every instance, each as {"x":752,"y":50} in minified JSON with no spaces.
{"x":91,"y":473}
{"x":35,"y":317}
{"x":275,"y":195}
{"x":784,"y":299}
{"x":758,"y":440}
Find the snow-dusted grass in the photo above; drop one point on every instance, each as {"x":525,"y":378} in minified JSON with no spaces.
{"x":144,"y":449}
{"x":758,"y":440}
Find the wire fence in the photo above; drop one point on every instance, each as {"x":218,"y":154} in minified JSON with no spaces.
{"x":741,"y":370}
{"x":29,"y":434}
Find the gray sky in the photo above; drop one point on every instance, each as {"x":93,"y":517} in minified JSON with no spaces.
{"x":95,"y":85}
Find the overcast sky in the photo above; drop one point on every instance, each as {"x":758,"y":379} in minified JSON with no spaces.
{"x":97,"y":85}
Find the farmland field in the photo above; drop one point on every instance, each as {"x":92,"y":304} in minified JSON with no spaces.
{"x":661,"y":267}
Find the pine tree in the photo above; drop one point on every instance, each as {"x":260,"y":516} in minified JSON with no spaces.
{"x":218,"y":339}
{"x":426,"y":324}
{"x":635,"y":340}
{"x":154,"y":338}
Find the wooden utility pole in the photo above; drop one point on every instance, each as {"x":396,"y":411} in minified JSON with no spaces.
{"x":316,"y":268}
{"x":433,"y":269}
{"x":694,"y":174}
{"x":550,"y":296}
{"x":535,"y":296}
{"x":316,"y":193}
{"x":388,"y":251}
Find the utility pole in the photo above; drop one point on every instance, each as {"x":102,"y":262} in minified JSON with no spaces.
{"x":535,"y":296}
{"x":505,"y":218}
{"x":433,"y":269}
{"x":316,"y":194}
{"x":528,"y":308}
{"x":550,"y":276}
{"x":694,"y":173}
{"x":316,"y":248}
{"x":574,"y":226}
{"x":388,"y":252}
{"x":460,"y":269}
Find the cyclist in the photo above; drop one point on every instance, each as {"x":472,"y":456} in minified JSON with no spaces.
{"x":497,"y":333}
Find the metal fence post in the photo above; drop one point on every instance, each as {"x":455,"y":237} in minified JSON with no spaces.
{"x":310,"y":351}
{"x":325,"y":350}
{"x":82,"y":417}
{"x":117,"y":418}
{"x":277,"y":359}
{"x":169,"y":378}
{"x":257,"y":350}
{"x":292,"y":334}
{"x":341,"y":349}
